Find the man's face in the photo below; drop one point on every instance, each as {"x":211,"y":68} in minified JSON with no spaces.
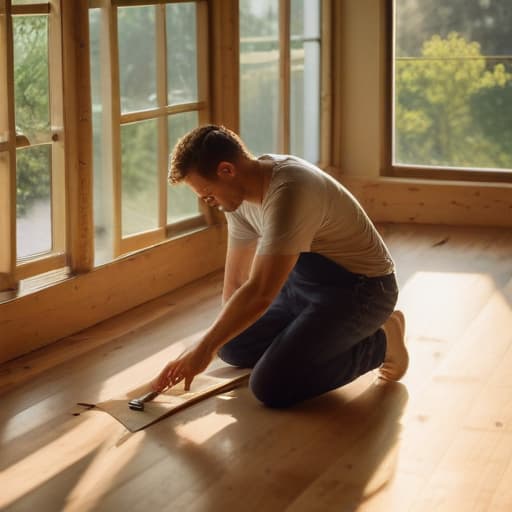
{"x":221,"y":192}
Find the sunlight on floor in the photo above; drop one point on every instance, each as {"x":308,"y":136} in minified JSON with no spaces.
{"x":51,"y":459}
{"x":100,"y":475}
{"x":201,"y":429}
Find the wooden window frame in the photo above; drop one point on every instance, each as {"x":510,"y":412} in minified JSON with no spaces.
{"x":325,"y":99}
{"x":391,"y":169}
{"x":13,"y":269}
{"x":115,"y":119}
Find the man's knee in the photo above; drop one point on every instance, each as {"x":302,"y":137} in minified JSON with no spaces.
{"x":234,"y":356}
{"x":271,"y":393}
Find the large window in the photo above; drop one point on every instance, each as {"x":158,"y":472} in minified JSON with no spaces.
{"x":453,"y":84}
{"x":149,"y":87}
{"x":280,"y":76}
{"x":32,"y":188}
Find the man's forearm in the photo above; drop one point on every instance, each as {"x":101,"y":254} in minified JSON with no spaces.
{"x":240,"y":311}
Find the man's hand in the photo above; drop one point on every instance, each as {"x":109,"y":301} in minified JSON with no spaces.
{"x":185,"y":367}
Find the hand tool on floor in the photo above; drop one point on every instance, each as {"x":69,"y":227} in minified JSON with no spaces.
{"x":137,"y":404}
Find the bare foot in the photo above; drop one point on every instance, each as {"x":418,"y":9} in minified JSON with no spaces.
{"x":396,"y":360}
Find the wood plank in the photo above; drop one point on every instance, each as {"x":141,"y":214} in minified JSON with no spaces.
{"x":152,"y":113}
{"x":78,"y":135}
{"x":163,"y":126}
{"x":426,"y":444}
{"x":7,"y":158}
{"x":432,"y":202}
{"x":284,"y":76}
{"x":87,"y":299}
{"x":326,"y":82}
{"x":225,"y":56}
{"x":58,"y":157}
{"x":40,"y":265}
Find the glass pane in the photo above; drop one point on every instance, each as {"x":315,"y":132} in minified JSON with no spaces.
{"x":181,"y":201}
{"x":453,"y":83}
{"x":137,"y":57}
{"x":33,"y":200}
{"x":259,"y":75}
{"x":305,"y":80}
{"x":31,"y":79}
{"x":139,"y":176}
{"x":103,"y":189}
{"x":181,"y":53}
{"x":305,"y":18}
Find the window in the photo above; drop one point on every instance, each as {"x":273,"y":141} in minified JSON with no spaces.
{"x":32,"y":184}
{"x":452,"y":84}
{"x":149,"y":82}
{"x":280,"y":44}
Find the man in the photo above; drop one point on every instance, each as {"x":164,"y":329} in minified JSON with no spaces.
{"x":309,"y":286}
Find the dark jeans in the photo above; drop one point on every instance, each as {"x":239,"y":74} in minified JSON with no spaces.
{"x":321,"y":332}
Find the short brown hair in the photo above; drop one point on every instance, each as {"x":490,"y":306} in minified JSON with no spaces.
{"x":202,"y":149}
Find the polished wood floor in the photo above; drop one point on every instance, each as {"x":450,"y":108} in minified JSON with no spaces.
{"x":439,"y":441}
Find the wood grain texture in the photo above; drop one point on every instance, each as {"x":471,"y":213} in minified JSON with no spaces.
{"x":439,"y":441}
{"x":87,"y":299}
{"x":432,"y":202}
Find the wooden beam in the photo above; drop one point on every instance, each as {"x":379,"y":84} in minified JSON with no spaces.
{"x":25,"y":10}
{"x":432,"y":202}
{"x":284,"y":76}
{"x":225,"y":57}
{"x":87,"y":299}
{"x":58,"y":161}
{"x":38,"y":266}
{"x":326,"y":76}
{"x":152,"y":113}
{"x":335,"y":158}
{"x":142,"y":240}
{"x":163,"y":125}
{"x":112,"y":117}
{"x":8,"y":157}
{"x":78,"y":135}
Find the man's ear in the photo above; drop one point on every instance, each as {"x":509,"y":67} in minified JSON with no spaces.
{"x":226,"y":170}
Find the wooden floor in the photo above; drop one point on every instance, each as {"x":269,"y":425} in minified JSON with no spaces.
{"x":441,"y":441}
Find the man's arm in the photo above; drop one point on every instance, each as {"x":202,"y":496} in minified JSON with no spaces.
{"x":268,"y":275}
{"x":238,"y":266}
{"x":244,"y":307}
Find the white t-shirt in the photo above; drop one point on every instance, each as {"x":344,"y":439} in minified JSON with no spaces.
{"x":306,"y":210}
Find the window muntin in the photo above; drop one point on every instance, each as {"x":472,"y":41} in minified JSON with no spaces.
{"x":259,"y":74}
{"x":280,"y":48}
{"x":452,"y":84}
{"x":135,"y":207}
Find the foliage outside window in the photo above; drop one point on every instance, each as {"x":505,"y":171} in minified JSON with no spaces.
{"x":453,"y":83}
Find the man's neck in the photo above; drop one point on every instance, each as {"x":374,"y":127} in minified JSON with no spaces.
{"x":257,"y":176}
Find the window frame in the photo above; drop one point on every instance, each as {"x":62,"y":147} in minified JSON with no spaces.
{"x":12,"y":268}
{"x":284,"y":67}
{"x":115,"y":119}
{"x":394,"y":170}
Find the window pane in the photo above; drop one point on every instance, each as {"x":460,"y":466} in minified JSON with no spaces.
{"x":181,"y":201}
{"x":31,"y":79}
{"x":181,"y":53}
{"x":137,"y":61}
{"x":33,"y":201}
{"x":259,"y":74}
{"x":305,"y":80}
{"x":103,"y":191}
{"x":139,"y":177}
{"x":453,"y":83}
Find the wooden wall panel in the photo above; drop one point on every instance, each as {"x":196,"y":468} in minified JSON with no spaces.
{"x":432,"y":202}
{"x":35,"y":320}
